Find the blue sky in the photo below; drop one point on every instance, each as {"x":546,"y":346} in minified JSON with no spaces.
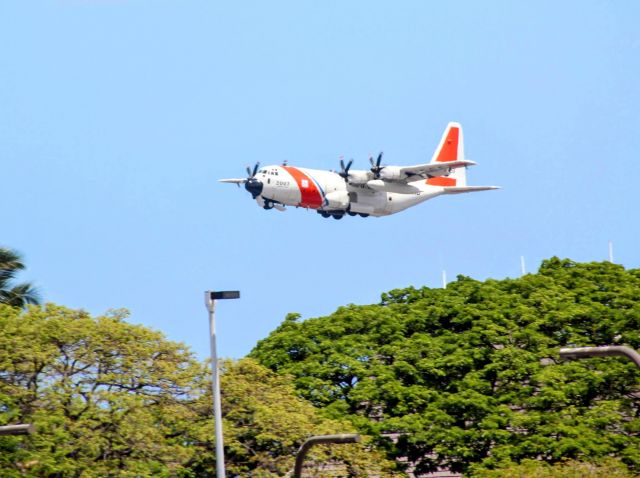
{"x":117,"y":117}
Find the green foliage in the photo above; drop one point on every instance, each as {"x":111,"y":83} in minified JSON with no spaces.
{"x":266,"y":423}
{"x":107,"y":398}
{"x":111,"y":399}
{"x":471,"y":374}
{"x":609,"y":468}
{"x":16,"y":295}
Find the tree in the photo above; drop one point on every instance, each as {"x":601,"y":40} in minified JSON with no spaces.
{"x":470,"y":375}
{"x":608,"y":468}
{"x":110,"y":398}
{"x":107,"y":398}
{"x":266,"y":423}
{"x":17,"y":295}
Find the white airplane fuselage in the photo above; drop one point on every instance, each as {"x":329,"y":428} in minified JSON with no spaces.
{"x":380,"y":191}
{"x":329,"y":193}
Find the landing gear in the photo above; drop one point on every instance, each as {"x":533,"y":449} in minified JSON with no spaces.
{"x":334,"y":214}
{"x":340,"y":214}
{"x":268,"y":204}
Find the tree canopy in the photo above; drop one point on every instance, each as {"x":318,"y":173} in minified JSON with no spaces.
{"x":607,"y":468}
{"x":266,"y":423}
{"x":469,"y":376}
{"x":112,"y":399}
{"x":466,"y":378}
{"x":108,"y":398}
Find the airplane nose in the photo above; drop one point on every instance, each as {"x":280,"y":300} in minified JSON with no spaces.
{"x":254,"y":187}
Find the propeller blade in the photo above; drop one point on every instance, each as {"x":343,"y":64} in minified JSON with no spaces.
{"x":349,"y":166}
{"x":344,"y":170}
{"x":248,"y":171}
{"x":255,"y":169}
{"x":375,"y":166}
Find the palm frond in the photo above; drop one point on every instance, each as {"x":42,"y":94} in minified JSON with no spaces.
{"x":15,"y":295}
{"x":20,"y":295}
{"x":10,"y":259}
{"x":10,"y":263}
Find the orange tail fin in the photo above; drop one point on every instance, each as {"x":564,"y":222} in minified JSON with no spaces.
{"x":451,"y":148}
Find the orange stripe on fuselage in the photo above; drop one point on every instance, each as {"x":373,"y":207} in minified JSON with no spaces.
{"x":309,"y":194}
{"x":449,"y":150}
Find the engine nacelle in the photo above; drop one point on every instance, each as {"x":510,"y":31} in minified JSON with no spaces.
{"x":338,"y":200}
{"x":391,"y":173}
{"x":359,"y":177}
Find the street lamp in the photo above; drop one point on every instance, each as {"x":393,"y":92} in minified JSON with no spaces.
{"x":605,"y":351}
{"x":20,"y":429}
{"x":321,"y":440}
{"x":210,"y":298}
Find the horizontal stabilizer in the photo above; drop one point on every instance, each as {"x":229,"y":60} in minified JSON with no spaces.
{"x":467,"y":189}
{"x":409,"y":173}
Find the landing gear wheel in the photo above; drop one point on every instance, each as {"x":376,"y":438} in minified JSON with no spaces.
{"x":338,"y":216}
{"x":362,"y":214}
{"x":350,"y":213}
{"x":324,"y":214}
{"x":268,"y":205}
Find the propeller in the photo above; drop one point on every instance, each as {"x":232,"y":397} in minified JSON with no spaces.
{"x":375,"y":166}
{"x":250,"y":173}
{"x":344,"y":173}
{"x":253,"y":185}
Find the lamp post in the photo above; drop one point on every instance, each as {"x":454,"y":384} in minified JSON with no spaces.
{"x":210,"y":298}
{"x":320,"y":440}
{"x":20,"y":429}
{"x":606,"y":351}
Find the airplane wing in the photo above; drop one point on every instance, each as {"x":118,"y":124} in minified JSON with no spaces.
{"x":233,"y":181}
{"x":432,"y":170}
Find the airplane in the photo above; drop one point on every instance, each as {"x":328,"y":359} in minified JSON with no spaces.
{"x":380,"y":191}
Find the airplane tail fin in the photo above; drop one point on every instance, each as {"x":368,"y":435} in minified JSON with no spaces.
{"x":451,"y":148}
